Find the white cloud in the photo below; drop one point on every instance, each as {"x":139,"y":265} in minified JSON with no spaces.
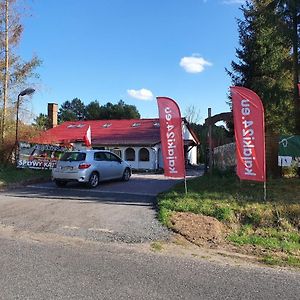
{"x":142,"y":94}
{"x":234,"y":1}
{"x":194,"y":63}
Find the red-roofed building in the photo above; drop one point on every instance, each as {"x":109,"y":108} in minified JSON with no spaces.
{"x":137,"y":140}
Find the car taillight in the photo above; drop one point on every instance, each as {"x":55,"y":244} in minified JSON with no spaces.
{"x":84,"y":166}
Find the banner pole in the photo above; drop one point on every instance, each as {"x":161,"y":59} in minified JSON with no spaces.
{"x":185,"y":185}
{"x":265,"y":191}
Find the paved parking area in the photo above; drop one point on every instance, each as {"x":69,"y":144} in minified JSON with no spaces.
{"x":139,"y":184}
{"x":113,"y":212}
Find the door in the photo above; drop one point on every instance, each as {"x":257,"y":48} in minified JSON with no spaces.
{"x":116,"y":166}
{"x":102,"y":165}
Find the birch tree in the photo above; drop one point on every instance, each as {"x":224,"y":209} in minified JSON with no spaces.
{"x":14,"y":71}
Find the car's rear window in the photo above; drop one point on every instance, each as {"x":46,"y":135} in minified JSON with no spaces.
{"x":73,"y":156}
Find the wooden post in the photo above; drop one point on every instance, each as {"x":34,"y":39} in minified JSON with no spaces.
{"x":210,"y":162}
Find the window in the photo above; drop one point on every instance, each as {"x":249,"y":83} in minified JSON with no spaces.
{"x":130,"y":154}
{"x":117,"y":151}
{"x":113,"y":157}
{"x":73,"y":156}
{"x":100,"y":156}
{"x":76,"y":125}
{"x":144,"y":154}
{"x":99,"y":148}
{"x":136,"y":125}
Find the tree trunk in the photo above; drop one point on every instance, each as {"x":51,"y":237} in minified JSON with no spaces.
{"x":6,"y":75}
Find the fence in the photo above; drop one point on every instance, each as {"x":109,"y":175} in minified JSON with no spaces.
{"x":224,"y":156}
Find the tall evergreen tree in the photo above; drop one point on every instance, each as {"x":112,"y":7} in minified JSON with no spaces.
{"x":121,"y":110}
{"x":290,"y":10}
{"x":264,"y":63}
{"x":93,"y":110}
{"x":42,"y":122}
{"x":72,"y":111}
{"x":75,"y":110}
{"x":125,"y":111}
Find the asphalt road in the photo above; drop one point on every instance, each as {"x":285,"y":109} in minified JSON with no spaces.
{"x":35,"y":270}
{"x":74,"y":243}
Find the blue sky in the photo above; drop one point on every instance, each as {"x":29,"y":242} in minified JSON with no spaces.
{"x":133,"y":50}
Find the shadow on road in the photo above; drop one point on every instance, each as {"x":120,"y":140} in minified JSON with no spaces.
{"x":71,"y":194}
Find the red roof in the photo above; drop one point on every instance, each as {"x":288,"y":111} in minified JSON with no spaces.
{"x":104,"y":132}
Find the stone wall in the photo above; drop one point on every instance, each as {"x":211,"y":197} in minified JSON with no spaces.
{"x":224,"y":156}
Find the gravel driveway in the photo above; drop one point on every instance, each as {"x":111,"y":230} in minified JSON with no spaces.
{"x":115,"y":211}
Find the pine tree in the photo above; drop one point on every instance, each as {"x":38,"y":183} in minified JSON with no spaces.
{"x":72,"y":111}
{"x":109,"y":111}
{"x":264,"y":63}
{"x":41,"y":122}
{"x":290,"y":11}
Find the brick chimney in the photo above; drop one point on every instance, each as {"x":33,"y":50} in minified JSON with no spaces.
{"x":52,"y":114}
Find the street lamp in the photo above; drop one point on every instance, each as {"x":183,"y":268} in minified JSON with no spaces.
{"x":25,"y":92}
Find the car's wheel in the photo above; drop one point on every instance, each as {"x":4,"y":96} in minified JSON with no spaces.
{"x":60,"y":183}
{"x":94,"y":180}
{"x":126,"y":175}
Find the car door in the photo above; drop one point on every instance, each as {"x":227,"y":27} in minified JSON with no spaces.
{"x":116,"y":166}
{"x":102,"y":165}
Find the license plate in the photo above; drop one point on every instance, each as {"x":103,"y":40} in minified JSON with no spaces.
{"x":67,"y":168}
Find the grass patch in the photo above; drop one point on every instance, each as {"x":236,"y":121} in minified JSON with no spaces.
{"x":11,"y":175}
{"x":272,"y":225}
{"x":156,"y":246}
{"x":281,"y":261}
{"x":268,"y":238}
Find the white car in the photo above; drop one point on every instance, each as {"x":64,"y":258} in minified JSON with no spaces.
{"x":90,"y":167}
